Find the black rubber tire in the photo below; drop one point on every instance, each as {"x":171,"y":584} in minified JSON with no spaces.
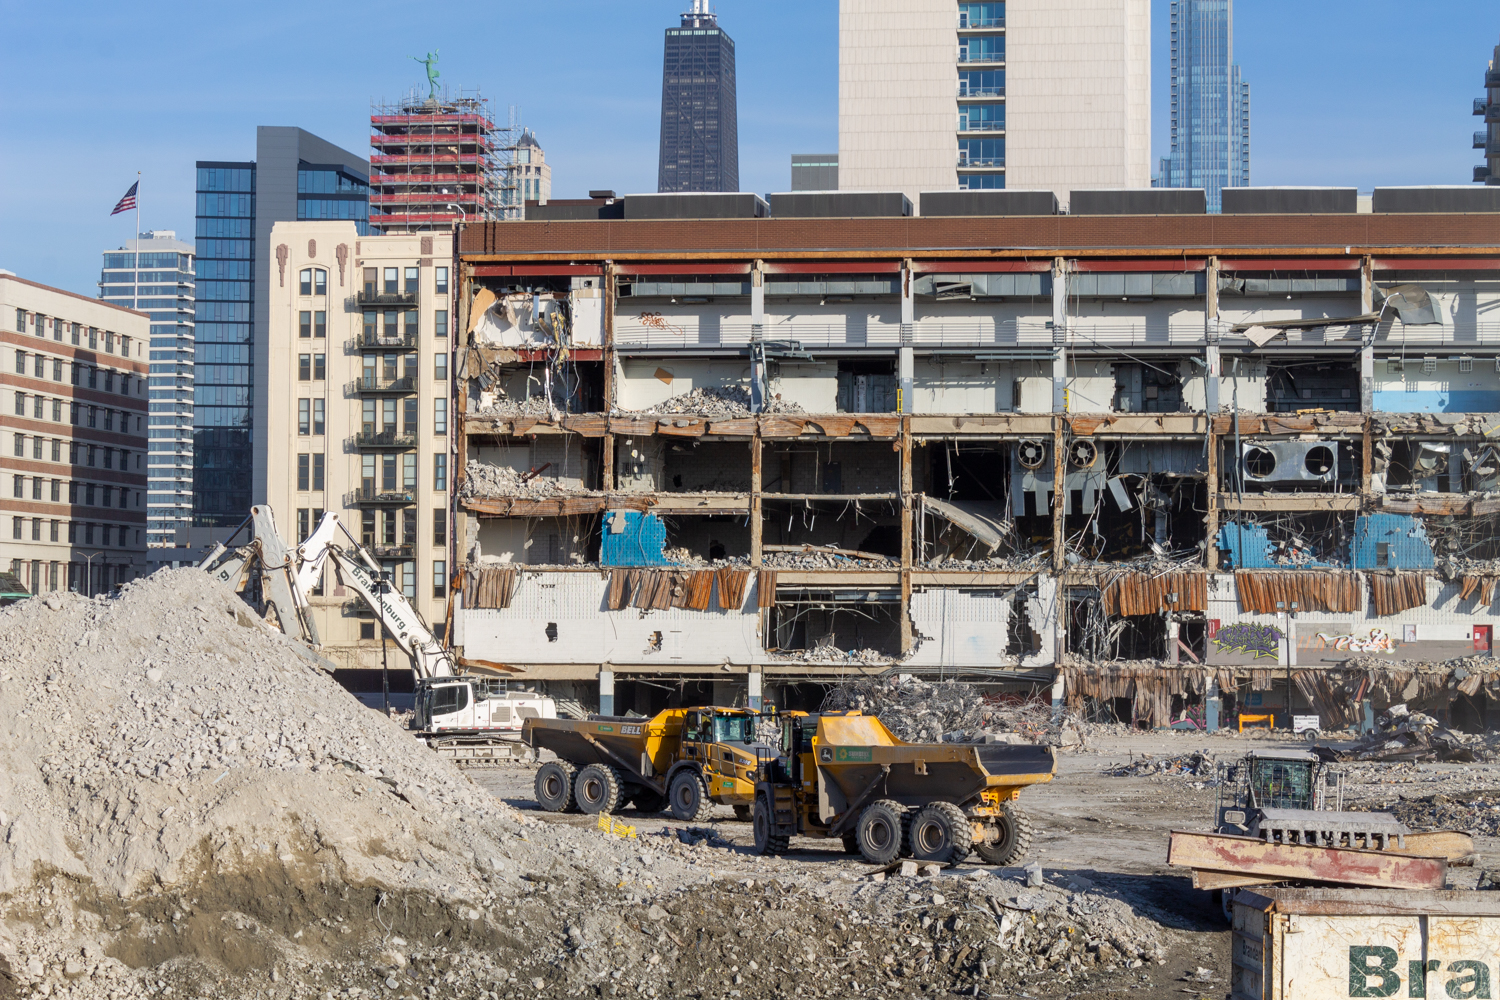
{"x":1225,"y":899}
{"x":554,"y":786}
{"x":906,"y":832}
{"x":646,"y":801}
{"x":940,"y":833}
{"x":760,"y":822}
{"x":742,"y":813}
{"x":878,"y":831}
{"x":597,"y":789}
{"x":1015,"y":837}
{"x":688,"y":798}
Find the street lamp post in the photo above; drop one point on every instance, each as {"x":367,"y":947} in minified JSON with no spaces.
{"x":383,"y":587}
{"x":88,"y":573}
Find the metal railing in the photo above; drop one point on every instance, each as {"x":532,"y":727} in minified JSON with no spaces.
{"x":981,"y":161}
{"x":385,"y":439}
{"x":375,"y":495}
{"x":966,"y":24}
{"x":970,"y":59}
{"x":364,"y":298}
{"x":1481,"y":139}
{"x":406,"y":383}
{"x":392,"y":551}
{"x":370,"y":339}
{"x":981,"y":125}
{"x":1480,"y":104}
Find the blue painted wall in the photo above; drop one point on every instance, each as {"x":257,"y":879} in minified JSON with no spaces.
{"x":1249,"y":547}
{"x":640,"y":544}
{"x":1404,"y":534}
{"x":1438,"y":401}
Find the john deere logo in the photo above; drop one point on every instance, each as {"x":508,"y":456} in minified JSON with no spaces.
{"x":854,"y":755}
{"x":825,"y":754}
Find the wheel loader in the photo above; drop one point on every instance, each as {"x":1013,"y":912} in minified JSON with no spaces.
{"x":685,"y":759}
{"x":844,"y":775}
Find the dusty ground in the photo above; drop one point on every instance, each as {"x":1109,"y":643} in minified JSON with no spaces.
{"x":1111,"y":831}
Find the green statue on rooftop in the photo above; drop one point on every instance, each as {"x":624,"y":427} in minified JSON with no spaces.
{"x":430,"y":64}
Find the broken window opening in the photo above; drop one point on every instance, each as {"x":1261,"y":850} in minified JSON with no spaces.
{"x":1022,"y":638}
{"x":1289,"y":540}
{"x":807,"y":624}
{"x":539,"y":467}
{"x":506,"y":387}
{"x":694,"y":466}
{"x":1313,"y":385}
{"x":698,"y":540}
{"x":536,"y":541}
{"x":1148,"y":388}
{"x":1452,"y":465}
{"x":822,"y":534}
{"x":842,"y":468}
{"x":1164,"y":518}
{"x":867,"y":386}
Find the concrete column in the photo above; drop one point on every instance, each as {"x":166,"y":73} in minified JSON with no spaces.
{"x":758,"y":374}
{"x":905,"y":362}
{"x":1173,"y":631}
{"x":1213,"y":703}
{"x":755,"y":688}
{"x":1367,"y":344}
{"x":606,"y":691}
{"x":1059,"y":335}
{"x":1211,"y":337}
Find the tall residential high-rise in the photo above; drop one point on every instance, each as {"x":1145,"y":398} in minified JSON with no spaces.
{"x":700,"y":139}
{"x":938,"y":95}
{"x":1489,"y":139}
{"x":530,"y":175}
{"x":72,"y":438}
{"x":815,"y":172}
{"x":295,"y":175}
{"x":435,"y":163}
{"x":1210,"y":103}
{"x":154,"y":274}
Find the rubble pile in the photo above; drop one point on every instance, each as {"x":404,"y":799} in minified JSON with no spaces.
{"x":1403,"y":735}
{"x":681,"y":556}
{"x":484,"y":480}
{"x":718,"y":401}
{"x":832,"y":654}
{"x":504,"y":406}
{"x":1193,"y":765}
{"x":1476,"y":813}
{"x":914,"y":710}
{"x":814,"y":559}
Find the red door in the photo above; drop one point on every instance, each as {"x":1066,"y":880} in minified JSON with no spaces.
{"x":1482,"y":638}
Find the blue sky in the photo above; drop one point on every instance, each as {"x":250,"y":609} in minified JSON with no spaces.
{"x":1346,"y":93}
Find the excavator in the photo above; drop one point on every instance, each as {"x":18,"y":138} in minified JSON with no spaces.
{"x":473,"y":719}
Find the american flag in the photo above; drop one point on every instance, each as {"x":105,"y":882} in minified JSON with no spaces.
{"x":127,"y":202}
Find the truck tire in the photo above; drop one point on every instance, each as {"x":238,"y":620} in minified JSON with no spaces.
{"x":554,"y":786}
{"x":760,"y":821}
{"x":596,"y":789}
{"x":878,"y":831}
{"x":647,"y":801}
{"x":1014,"y":840}
{"x":851,"y":843}
{"x":741,"y":813}
{"x":940,"y":832}
{"x":688,"y":798}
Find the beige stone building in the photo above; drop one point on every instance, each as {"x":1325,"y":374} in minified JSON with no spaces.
{"x":938,"y":95}
{"x":359,"y":411}
{"x":72,"y":438}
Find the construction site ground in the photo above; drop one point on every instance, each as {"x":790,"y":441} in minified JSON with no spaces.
{"x":1095,"y":833}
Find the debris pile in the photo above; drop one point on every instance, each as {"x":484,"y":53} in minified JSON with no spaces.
{"x":913,"y":710}
{"x":1194,"y":765}
{"x":832,"y":654}
{"x":482,"y":479}
{"x":1403,"y":735}
{"x":815,"y":558}
{"x":682,"y":556}
{"x":504,"y":406}
{"x":718,"y":401}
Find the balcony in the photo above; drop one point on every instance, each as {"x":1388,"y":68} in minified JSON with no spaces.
{"x":1481,"y":175}
{"x":1481,"y":139}
{"x":389,"y":438}
{"x":375,"y":385}
{"x":372,"y":340}
{"x":980,"y":162}
{"x":967,"y":23}
{"x":1492,"y":79}
{"x":373,"y":298}
{"x":991,"y":125}
{"x":383,"y":551}
{"x":371,"y":496}
{"x":1481,"y":104}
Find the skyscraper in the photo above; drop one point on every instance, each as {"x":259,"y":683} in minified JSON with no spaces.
{"x":1210,"y":103}
{"x":938,"y":95}
{"x":155,"y":274}
{"x":295,"y":175}
{"x":1489,"y":139}
{"x":700,"y":141}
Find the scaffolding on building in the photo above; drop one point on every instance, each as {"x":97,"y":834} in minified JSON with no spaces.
{"x":438,"y":161}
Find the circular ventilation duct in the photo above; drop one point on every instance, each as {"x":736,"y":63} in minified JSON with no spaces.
{"x":1083,"y":454}
{"x":1031,"y":454}
{"x":1260,"y":463}
{"x":1319,"y":461}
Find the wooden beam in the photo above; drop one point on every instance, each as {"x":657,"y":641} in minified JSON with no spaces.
{"x":1291,"y":501}
{"x":757,"y":518}
{"x":903,"y":446}
{"x":1059,"y":490}
{"x":1211,"y":519}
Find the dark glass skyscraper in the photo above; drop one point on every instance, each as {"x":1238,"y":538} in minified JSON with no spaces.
{"x":295,"y":175}
{"x":1210,"y":103}
{"x":700,"y":139}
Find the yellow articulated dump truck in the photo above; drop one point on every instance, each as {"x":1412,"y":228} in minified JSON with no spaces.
{"x":842,"y":774}
{"x":686,"y":759}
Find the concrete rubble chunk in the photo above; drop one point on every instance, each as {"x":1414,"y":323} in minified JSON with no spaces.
{"x":909,"y":869}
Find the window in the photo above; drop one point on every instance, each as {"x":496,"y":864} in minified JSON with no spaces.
{"x":440,"y":323}
{"x":981,"y":15}
{"x":320,"y":282}
{"x":370,"y":320}
{"x":20,"y":404}
{"x":408,"y":471}
{"x":411,"y":324}
{"x":388,"y":528}
{"x":21,"y":320}
{"x":302,"y":521}
{"x":388,"y":472}
{"x":981,"y":182}
{"x":440,"y":472}
{"x":390,"y":330}
{"x":440,"y":366}
{"x":440,"y":280}
{"x":440,"y":416}
{"x":52,"y":537}
{"x":88,"y":494}
{"x":38,"y":407}
{"x":92,"y":451}
{"x":20,"y":362}
{"x":409,"y":526}
{"x":57,"y":370}
{"x":56,"y":494}
{"x":981,"y":152}
{"x":304,"y":474}
{"x":371,"y":280}
{"x":304,"y":416}
{"x":317,"y":416}
{"x":320,"y":322}
{"x":40,"y":368}
{"x":391,"y":281}
{"x":409,"y":415}
{"x":109,"y":458}
{"x":409,"y":367}
{"x":409,"y":586}
{"x":367,"y":528}
{"x":411,"y":280}
{"x":440,"y":526}
{"x":72,"y":496}
{"x":93,"y":338}
{"x":56,"y":450}
{"x":72,"y":532}
{"x":367,"y":417}
{"x":77,"y":331}
{"x":57,"y":410}
{"x":20,"y":486}
{"x":304,"y":323}
{"x":36,"y":447}
{"x":20,"y":445}
{"x":981,"y":48}
{"x":109,"y":420}
{"x":93,"y":377}
{"x":320,"y":367}
{"x":36,"y":530}
{"x":317,"y":472}
{"x":304,"y":367}
{"x":439,"y":578}
{"x":305,"y":284}
{"x":15,"y":526}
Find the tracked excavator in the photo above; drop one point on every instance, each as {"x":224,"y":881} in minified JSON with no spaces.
{"x":473,"y":719}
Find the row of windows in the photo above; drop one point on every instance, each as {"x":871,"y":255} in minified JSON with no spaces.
{"x":241,"y":206}
{"x":223,"y":229}
{"x":313,"y":281}
{"x":379,"y":473}
{"x":78,"y":334}
{"x":224,"y":270}
{"x":312,"y":367}
{"x":226,"y":178}
{"x":226,"y":249}
{"x":89,"y":376}
{"x":392,"y":323}
{"x":85,"y":532}
{"x":146,"y":261}
{"x":310,"y":468}
{"x":87,"y":494}
{"x":394,"y":279}
{"x":386,"y":410}
{"x":390,"y":366}
{"x":94,"y":456}
{"x":329,"y":182}
{"x":312,"y":323}
{"x":333,"y":208}
{"x":79,"y":414}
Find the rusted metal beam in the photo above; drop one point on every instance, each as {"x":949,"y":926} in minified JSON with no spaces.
{"x":1251,"y":856}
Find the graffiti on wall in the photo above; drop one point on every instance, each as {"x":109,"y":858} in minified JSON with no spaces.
{"x":1246,"y":637}
{"x":1378,"y":640}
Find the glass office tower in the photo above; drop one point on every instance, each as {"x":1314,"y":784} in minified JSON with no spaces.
{"x":295,"y":175}
{"x":154,"y":274}
{"x":1210,"y":103}
{"x":700,"y":139}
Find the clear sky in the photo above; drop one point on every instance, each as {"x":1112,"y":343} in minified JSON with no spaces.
{"x":1350,"y":93}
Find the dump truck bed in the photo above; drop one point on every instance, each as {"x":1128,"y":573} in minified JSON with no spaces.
{"x":603,"y":739}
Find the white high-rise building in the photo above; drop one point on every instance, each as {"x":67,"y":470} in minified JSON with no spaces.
{"x":938,"y":95}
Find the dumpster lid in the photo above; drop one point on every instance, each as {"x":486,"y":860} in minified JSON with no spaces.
{"x":1372,"y":902}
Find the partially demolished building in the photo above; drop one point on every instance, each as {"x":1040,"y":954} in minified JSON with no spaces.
{"x":715,"y":448}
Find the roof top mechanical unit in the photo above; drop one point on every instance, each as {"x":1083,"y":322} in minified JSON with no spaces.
{"x":1289,"y":462}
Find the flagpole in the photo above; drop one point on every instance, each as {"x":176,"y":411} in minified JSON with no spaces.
{"x":133,"y":299}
